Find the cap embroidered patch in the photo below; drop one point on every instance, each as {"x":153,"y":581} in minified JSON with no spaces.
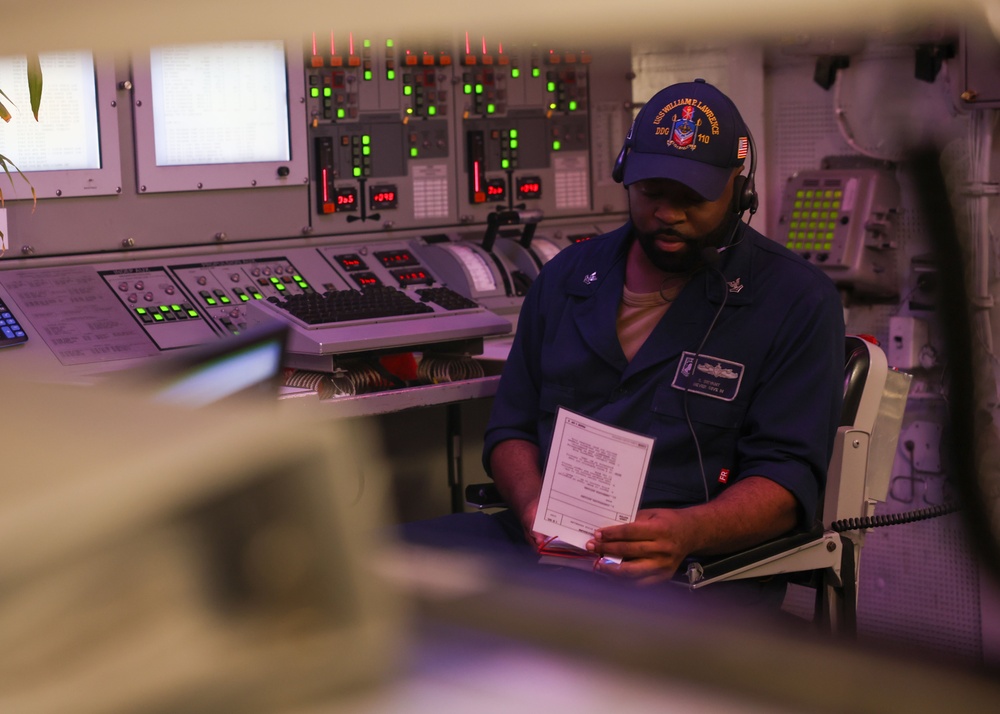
{"x":684,"y":130}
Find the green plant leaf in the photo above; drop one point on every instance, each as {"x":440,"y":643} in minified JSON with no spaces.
{"x":4,"y":114}
{"x":6,"y":164}
{"x":35,"y":83}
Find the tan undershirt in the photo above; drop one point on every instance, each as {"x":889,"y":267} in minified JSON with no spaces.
{"x":638,"y":314}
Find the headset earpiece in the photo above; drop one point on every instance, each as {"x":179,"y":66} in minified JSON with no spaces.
{"x":744,"y":195}
{"x":618,"y":170}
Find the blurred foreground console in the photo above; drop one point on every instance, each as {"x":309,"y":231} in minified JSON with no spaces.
{"x":159,"y":558}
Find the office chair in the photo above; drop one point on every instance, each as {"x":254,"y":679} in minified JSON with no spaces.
{"x":826,"y":557}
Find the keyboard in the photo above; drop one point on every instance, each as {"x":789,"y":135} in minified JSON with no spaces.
{"x":11,"y":332}
{"x":371,"y":303}
{"x":375,"y":318}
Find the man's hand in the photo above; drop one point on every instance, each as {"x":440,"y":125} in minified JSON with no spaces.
{"x":527,"y":516}
{"x":749,"y":512}
{"x":518,"y":477}
{"x":652,"y":547}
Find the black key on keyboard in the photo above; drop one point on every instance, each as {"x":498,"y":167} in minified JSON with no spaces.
{"x":11,"y":332}
{"x":446,"y":298}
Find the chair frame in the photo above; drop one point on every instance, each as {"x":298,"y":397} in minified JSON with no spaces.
{"x":857,"y":480}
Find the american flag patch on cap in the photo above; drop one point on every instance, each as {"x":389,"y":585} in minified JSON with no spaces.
{"x":742,"y":148}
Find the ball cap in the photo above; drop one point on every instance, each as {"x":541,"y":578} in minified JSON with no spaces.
{"x":691,"y":133}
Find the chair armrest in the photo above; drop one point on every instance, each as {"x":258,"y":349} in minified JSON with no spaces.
{"x":713,"y":568}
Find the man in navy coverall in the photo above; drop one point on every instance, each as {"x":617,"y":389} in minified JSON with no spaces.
{"x":687,"y":325}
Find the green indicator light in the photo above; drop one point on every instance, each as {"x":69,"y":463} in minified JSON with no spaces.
{"x":164,"y":308}
{"x":366,"y":150}
{"x":210,"y":301}
{"x":158,"y":316}
{"x":572,"y":106}
{"x":390,"y":43}
{"x":535,"y":72}
{"x":413,"y":152}
{"x":552,"y":105}
{"x":390,"y":74}
{"x":366,"y":139}
{"x":279,"y":286}
{"x":258,"y":296}
{"x":505,"y":163}
{"x":327,"y":92}
{"x":141,"y":310}
{"x":244,"y":297}
{"x":341,"y":113}
{"x":515,"y":73}
{"x":357,"y":171}
{"x":432,"y":110}
{"x":467,"y":89}
{"x":314,"y":92}
{"x":409,"y":110}
{"x":551,"y":86}
{"x":490,"y":108}
{"x":800,"y":193}
{"x":298,"y":278}
{"x":368,"y":75}
{"x":275,"y":280}
{"x":479,"y":89}
{"x":513,"y":133}
{"x":513,"y":143}
{"x":556,"y":145}
{"x":407,"y":90}
{"x":192,"y":313}
{"x":367,"y":43}
{"x":175,"y":308}
{"x":225,"y":300}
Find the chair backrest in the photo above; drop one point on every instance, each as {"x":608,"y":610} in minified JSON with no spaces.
{"x":865,"y":446}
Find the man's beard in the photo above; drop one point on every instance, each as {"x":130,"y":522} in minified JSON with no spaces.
{"x":691,"y":258}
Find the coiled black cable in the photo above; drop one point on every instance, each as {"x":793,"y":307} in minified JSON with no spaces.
{"x":892,"y":519}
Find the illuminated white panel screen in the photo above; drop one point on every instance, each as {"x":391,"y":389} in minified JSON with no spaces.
{"x":72,"y":150}
{"x":220,"y":115}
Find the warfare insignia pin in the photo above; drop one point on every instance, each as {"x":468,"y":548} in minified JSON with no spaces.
{"x":588,"y":279}
{"x":735,"y":286}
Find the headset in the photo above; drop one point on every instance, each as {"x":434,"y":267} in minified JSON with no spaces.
{"x":744,"y":187}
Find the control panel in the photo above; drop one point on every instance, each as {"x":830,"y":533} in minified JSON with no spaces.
{"x":843,"y":220}
{"x":409,"y":134}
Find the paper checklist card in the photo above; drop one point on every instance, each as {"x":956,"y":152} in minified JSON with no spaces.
{"x":594,"y":476}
